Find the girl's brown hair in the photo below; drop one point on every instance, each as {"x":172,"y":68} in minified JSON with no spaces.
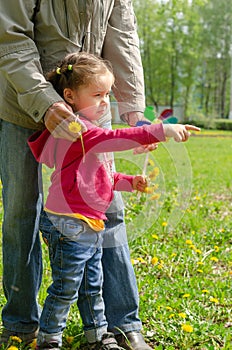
{"x":78,"y":69}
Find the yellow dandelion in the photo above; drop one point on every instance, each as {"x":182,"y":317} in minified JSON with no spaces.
{"x":148,"y":190}
{"x":160,"y":266}
{"x":198,"y":198}
{"x":200,"y":271}
{"x":69,"y":339}
{"x":213,"y":258}
{"x":155,"y":197}
{"x":200,"y":263}
{"x":193,"y":232}
{"x":182,"y":314}
{"x":154,"y":260}
{"x":169,"y":308}
{"x":155,"y":236}
{"x":216,"y":248}
{"x":33,"y":344}
{"x":133,"y":261}
{"x":150,"y":162}
{"x":186,"y":295}
{"x":205,"y":291}
{"x":154,"y":173}
{"x":74,"y":127}
{"x":12,"y":347}
{"x":173,"y":255}
{"x":16,"y":339}
{"x":187,"y":328}
{"x":142,"y":260}
{"x":192,"y":246}
{"x":214,"y":300}
{"x":198,"y":251}
{"x":164,"y":224}
{"x":188,"y":241}
{"x":171,"y":315}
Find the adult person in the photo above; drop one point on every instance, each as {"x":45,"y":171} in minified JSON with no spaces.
{"x":34,"y":35}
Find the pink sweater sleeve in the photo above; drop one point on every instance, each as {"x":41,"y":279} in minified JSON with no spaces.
{"x":123,"y":182}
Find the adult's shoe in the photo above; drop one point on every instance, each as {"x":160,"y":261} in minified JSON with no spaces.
{"x":132,"y":341}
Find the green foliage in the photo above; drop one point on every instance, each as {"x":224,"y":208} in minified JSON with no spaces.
{"x":186,"y":53}
{"x":183,"y":272}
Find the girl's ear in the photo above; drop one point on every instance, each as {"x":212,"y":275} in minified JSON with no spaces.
{"x":68,"y":95}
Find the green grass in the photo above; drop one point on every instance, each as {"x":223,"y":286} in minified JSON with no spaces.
{"x":181,"y":246}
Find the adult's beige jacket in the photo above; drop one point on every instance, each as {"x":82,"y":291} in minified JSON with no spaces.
{"x":35,"y":35}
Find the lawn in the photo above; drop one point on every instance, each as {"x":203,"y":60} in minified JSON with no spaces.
{"x":180,"y":237}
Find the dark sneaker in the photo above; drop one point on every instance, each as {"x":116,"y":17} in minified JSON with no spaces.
{"x":108,"y":342}
{"x":53,"y":345}
{"x":26,"y":338}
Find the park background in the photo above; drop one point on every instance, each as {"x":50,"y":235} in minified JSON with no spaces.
{"x":180,"y":233}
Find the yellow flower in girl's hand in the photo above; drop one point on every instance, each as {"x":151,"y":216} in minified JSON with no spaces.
{"x":74,"y":127}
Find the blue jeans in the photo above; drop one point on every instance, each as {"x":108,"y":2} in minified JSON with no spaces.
{"x":75,"y":253}
{"x":22,"y":264}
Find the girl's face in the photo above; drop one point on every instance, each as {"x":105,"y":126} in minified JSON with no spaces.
{"x":93,"y":100}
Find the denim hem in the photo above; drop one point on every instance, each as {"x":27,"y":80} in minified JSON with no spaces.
{"x":95,"y":335}
{"x":46,"y":337}
{"x":132,"y":327}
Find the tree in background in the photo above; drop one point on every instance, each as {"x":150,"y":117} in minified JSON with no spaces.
{"x":186,"y":52}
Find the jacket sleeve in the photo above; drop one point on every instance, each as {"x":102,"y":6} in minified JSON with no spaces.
{"x":19,"y":58}
{"x":121,"y":48}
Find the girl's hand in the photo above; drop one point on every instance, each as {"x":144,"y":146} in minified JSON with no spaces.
{"x":179,"y":132}
{"x":139,"y":183}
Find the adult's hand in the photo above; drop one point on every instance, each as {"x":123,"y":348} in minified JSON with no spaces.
{"x":57,"y":120}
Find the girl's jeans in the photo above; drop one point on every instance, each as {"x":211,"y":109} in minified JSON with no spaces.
{"x":22,"y":264}
{"x":75,"y":253}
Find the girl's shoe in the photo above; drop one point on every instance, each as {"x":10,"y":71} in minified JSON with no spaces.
{"x":108,"y":342}
{"x":48,"y":346}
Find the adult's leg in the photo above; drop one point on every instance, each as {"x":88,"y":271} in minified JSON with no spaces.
{"x":120,"y":290}
{"x":22,"y":263}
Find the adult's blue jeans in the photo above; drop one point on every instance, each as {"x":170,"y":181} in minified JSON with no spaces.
{"x":75,"y":252}
{"x":22,"y":264}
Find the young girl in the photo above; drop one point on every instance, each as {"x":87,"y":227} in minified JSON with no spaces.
{"x":81,"y":191}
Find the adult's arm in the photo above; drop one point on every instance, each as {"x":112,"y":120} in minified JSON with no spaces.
{"x":20,"y":64}
{"x":121,"y":48}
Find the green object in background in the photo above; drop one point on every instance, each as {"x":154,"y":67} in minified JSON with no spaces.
{"x":170,"y":120}
{"x":149,"y":113}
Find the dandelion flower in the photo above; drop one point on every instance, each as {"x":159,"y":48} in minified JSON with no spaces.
{"x":154,"y":260}
{"x":216,"y":248}
{"x":154,"y":173}
{"x":171,"y":315}
{"x":142,"y":260}
{"x":214,"y":300}
{"x":188,"y":241}
{"x":169,"y":308}
{"x":148,"y":190}
{"x":74,"y":127}
{"x":12,"y":347}
{"x":156,"y":196}
{"x":164,"y":224}
{"x":182,"y":314}
{"x":205,"y":291}
{"x":200,"y":271}
{"x":69,"y":339}
{"x":16,"y":339}
{"x":186,"y":295}
{"x":213,"y":258}
{"x":200,"y":263}
{"x":155,"y":236}
{"x":187,"y":328}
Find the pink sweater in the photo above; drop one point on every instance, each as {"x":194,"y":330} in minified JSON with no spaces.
{"x":85,"y":184}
